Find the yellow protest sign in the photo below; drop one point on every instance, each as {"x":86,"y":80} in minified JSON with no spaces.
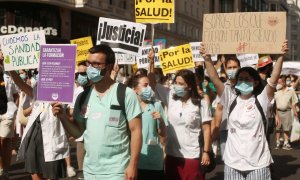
{"x":83,"y":45}
{"x":176,"y":58}
{"x":154,"y":11}
{"x":244,"y":33}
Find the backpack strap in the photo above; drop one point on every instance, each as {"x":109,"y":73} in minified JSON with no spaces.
{"x":121,"y":93}
{"x":262,"y":114}
{"x":232,"y":106}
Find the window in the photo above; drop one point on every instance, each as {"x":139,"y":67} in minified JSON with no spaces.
{"x":294,"y":36}
{"x":192,"y":13}
{"x":124,"y":4}
{"x":273,"y":7}
{"x":183,"y":28}
{"x":2,"y":17}
{"x":110,"y":2}
{"x":294,"y":27}
{"x":185,"y":7}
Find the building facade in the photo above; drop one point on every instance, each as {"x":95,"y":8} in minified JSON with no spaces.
{"x":63,"y":20}
{"x":294,"y":29}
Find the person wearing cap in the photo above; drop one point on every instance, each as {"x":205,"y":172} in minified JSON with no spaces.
{"x":286,"y":104}
{"x":264,"y":68}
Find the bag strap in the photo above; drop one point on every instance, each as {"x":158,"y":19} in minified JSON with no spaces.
{"x":262,"y":114}
{"x":232,"y":106}
{"x":121,"y":94}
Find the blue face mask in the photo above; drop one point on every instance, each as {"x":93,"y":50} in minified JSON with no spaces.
{"x":231,"y":73}
{"x":23,"y":76}
{"x":179,"y":90}
{"x":82,"y":80}
{"x":36,"y":77}
{"x":147,"y":94}
{"x":94,"y":74}
{"x":244,"y":87}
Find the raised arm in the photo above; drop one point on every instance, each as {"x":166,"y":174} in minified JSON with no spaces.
{"x":211,"y":71}
{"x":21,"y":84}
{"x":272,"y":81}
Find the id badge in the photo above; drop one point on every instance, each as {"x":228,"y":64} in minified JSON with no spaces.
{"x":114,"y":117}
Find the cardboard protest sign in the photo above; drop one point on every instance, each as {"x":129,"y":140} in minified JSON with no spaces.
{"x":195,"y":46}
{"x":247,"y":60}
{"x":291,"y":67}
{"x":56,"y":73}
{"x":244,"y":33}
{"x":176,"y":58}
{"x":125,"y":58}
{"x":22,"y":51}
{"x":143,"y":61}
{"x":154,"y":11}
{"x":122,"y":36}
{"x":83,"y":46}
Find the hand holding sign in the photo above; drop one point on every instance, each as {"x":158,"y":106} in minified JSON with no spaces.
{"x":204,"y":53}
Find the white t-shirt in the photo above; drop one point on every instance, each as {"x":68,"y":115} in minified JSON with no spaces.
{"x":246,"y":146}
{"x":223,"y":125}
{"x":184,"y":127}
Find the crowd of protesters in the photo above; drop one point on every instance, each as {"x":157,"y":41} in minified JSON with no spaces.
{"x":147,"y":125}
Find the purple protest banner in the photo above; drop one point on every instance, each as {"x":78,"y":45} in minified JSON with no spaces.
{"x":56,"y":73}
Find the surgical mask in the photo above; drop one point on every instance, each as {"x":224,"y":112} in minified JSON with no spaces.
{"x":179,"y":90}
{"x":82,"y":80}
{"x":23,"y":76}
{"x":288,"y":83}
{"x":147,"y":93}
{"x":245,"y":88}
{"x":231,"y":73}
{"x":94,"y":74}
{"x":36,"y":77}
{"x":279,"y":87}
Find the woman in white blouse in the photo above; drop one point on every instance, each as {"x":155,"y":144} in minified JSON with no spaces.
{"x":247,"y":155}
{"x":187,"y":115}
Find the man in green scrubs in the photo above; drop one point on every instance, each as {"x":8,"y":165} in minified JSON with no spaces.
{"x":110,"y":152}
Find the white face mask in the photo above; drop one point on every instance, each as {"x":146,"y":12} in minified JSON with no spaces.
{"x":278,"y":87}
{"x":231,"y":73}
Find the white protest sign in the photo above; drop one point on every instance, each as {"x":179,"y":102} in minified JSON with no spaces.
{"x":143,"y":62}
{"x":291,"y":67}
{"x":125,"y":58}
{"x":122,"y":36}
{"x":247,"y":60}
{"x":22,"y":51}
{"x":196,"y":52}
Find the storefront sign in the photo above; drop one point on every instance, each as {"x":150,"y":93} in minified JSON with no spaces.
{"x":12,"y":29}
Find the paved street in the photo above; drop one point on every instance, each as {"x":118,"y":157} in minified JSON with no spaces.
{"x":286,"y":167}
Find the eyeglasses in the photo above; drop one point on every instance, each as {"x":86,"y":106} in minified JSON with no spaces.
{"x":96,"y":64}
